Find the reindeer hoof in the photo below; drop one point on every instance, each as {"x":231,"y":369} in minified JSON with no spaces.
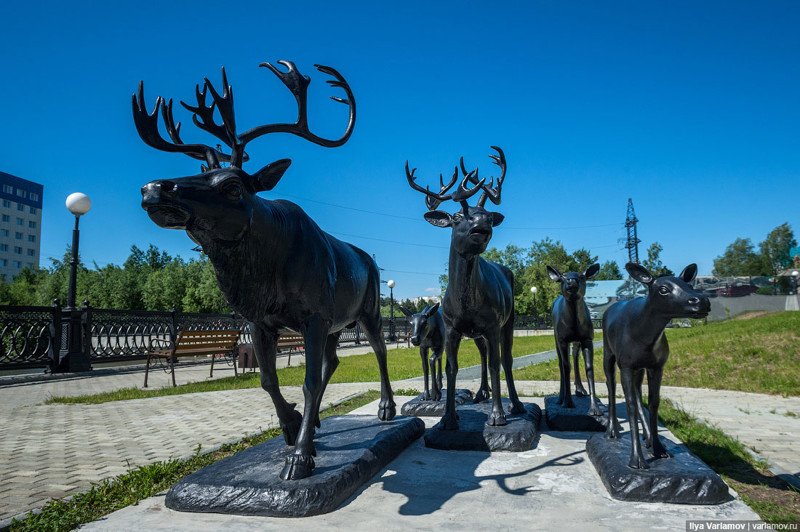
{"x":568,"y":403}
{"x":612,"y":433}
{"x":292,"y":427}
{"x":297,"y":466}
{"x":386,"y":410}
{"x":436,"y":396}
{"x":580,"y":391}
{"x":594,"y":410}
{"x":496,"y":419}
{"x":426,"y":396}
{"x":482,"y":396}
{"x":638,"y":462}
{"x":658,"y":450}
{"x":516,"y":408}
{"x":449,"y":422}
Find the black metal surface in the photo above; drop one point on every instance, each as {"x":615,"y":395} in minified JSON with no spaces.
{"x":427,"y":332}
{"x":421,"y":407}
{"x":479,"y":301}
{"x":577,"y":418}
{"x":633,"y":339}
{"x":273,"y":263}
{"x":26,"y":337}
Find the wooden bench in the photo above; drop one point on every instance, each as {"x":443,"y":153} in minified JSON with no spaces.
{"x":194,"y":343}
{"x":290,"y":340}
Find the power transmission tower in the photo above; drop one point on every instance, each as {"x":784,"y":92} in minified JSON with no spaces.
{"x":633,"y":239}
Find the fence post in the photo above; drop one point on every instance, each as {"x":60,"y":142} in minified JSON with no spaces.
{"x":86,"y":329}
{"x":73,"y":354}
{"x":173,"y":324}
{"x":54,"y":349}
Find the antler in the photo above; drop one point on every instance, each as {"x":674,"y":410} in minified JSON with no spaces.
{"x":298,"y":84}
{"x":433,"y":200}
{"x":489,"y":192}
{"x":147,"y":126}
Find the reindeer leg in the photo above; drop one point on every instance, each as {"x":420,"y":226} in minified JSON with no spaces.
{"x":609,"y":367}
{"x":579,"y":389}
{"x":638,"y":378}
{"x":653,"y":402}
{"x":564,"y":396}
{"x":451,"y":343}
{"x":507,"y":358}
{"x":300,"y":464}
{"x":436,"y":383}
{"x":588,"y":362}
{"x":371,"y":326}
{"x":423,"y":354}
{"x":439,"y":362}
{"x":627,"y":377}
{"x":498,"y":416}
{"x":329,"y":365}
{"x":483,"y":394}
{"x":265,"y":347}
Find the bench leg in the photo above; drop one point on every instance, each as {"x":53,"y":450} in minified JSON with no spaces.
{"x":235,"y":372}
{"x":172,"y":369}
{"x":212,"y":366}
{"x":146,"y":370}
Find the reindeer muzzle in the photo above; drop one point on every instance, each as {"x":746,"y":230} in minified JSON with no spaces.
{"x":162,"y":209}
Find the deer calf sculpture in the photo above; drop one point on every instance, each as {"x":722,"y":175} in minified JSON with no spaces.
{"x":633,"y":339}
{"x":427,"y":332}
{"x":572,"y":325}
{"x":274,"y":265}
{"x":479,"y":301}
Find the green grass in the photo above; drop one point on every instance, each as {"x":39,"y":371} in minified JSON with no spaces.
{"x":145,"y":481}
{"x":774,"y":500}
{"x":402,"y":363}
{"x":760,"y":355}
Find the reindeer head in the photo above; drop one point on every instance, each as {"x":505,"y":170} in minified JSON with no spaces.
{"x":472,"y":226}
{"x":420,"y":322}
{"x":672,"y":297}
{"x":573,"y":284}
{"x":217,"y":204}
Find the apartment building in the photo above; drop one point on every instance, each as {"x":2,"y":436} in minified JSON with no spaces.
{"x":20,"y":224}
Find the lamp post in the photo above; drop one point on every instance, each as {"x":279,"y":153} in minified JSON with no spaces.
{"x":76,"y":358}
{"x":535,"y":312}
{"x":390,"y":284}
{"x":795,"y":273}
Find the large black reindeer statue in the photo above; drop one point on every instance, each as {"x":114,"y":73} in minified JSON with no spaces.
{"x":275,"y":266}
{"x":427,"y":332}
{"x":633,"y":338}
{"x":572,"y":325}
{"x":479,"y":301}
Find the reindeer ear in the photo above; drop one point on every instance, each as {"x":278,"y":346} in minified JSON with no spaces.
{"x":268,"y":177}
{"x":406,"y":311}
{"x":432,"y":310}
{"x":497,"y":219}
{"x":554,"y":274}
{"x":640,"y":273}
{"x":591,"y":271}
{"x":688,"y":274}
{"x":439,"y":218}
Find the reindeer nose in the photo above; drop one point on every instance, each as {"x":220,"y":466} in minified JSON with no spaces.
{"x":157,"y":189}
{"x":694,"y":301}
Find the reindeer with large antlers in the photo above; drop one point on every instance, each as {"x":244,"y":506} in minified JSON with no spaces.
{"x":479,"y":301}
{"x":275,"y":266}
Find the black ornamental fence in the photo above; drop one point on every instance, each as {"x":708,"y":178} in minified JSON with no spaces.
{"x":68,"y":340}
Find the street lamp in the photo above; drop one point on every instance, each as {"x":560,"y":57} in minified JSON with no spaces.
{"x":535,"y":312}
{"x":390,"y":284}
{"x":795,"y":273}
{"x":76,"y":359}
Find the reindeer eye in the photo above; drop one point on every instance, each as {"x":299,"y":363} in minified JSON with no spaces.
{"x":457,"y":217}
{"x":233,"y":190}
{"x":664,"y":290}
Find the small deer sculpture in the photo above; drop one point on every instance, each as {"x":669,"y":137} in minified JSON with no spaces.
{"x":427,"y":332}
{"x":633,"y":339}
{"x":274,"y":265}
{"x":572,"y":325}
{"x":479,"y":301}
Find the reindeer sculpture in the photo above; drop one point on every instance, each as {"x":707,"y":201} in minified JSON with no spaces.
{"x":479,"y":301}
{"x":276,"y":267}
{"x":633,"y":338}
{"x":573,"y":326}
{"x":427,"y":332}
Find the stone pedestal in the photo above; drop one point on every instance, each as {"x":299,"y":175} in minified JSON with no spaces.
{"x":574,"y":419}
{"x":350,"y":450}
{"x":683,"y":479}
{"x":418,"y":407}
{"x":519,"y":434}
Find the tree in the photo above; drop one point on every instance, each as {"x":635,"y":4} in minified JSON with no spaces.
{"x":739,"y":259}
{"x":609,"y":271}
{"x":653,"y":261}
{"x":775,"y":249}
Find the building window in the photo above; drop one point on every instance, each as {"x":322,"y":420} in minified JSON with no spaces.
{"x":3,"y":247}
{"x":4,"y":232}
{"x":20,"y":207}
{"x":20,"y":221}
{"x":33,"y":210}
{"x":8,"y":189}
{"x":20,"y":193}
{"x":32,"y":225}
{"x":6,"y":204}
{"x":34,"y":196}
{"x":31,"y":238}
{"x":6,"y":218}
{"x":18,"y":264}
{"x":18,"y":236}
{"x":5,"y":262}
{"x":18,"y":250}
{"x":31,"y":253}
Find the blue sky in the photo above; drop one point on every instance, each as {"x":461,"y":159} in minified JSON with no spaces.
{"x":691,"y":109}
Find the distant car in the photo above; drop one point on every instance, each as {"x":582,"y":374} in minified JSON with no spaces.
{"x":737,"y":291}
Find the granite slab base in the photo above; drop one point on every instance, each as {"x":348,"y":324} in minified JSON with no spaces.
{"x":683,"y":479}
{"x":350,"y":450}
{"x":574,"y":419}
{"x":419,"y":407}
{"x":519,"y":434}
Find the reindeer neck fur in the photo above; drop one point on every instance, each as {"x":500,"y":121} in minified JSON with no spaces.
{"x":574,"y":311}
{"x":465,"y":280}
{"x":649,"y":325}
